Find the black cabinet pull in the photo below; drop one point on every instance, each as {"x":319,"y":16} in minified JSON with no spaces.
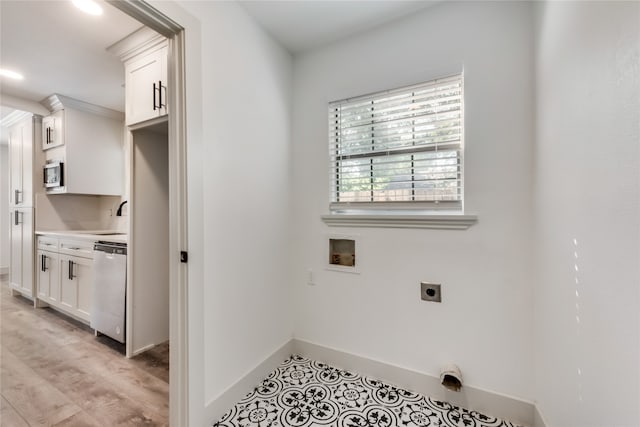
{"x":165,"y":97}
{"x":16,"y":218}
{"x":70,"y":270}
{"x":41,"y":262}
{"x":154,"y":97}
{"x":160,"y":94}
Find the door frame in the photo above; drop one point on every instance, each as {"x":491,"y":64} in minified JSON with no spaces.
{"x":179,"y":386}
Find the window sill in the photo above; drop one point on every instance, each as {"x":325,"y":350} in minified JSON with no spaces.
{"x":442,"y":222}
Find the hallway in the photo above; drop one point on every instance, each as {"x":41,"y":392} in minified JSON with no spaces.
{"x":55,"y":372}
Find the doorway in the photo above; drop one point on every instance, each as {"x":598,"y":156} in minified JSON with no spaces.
{"x":175,"y":184}
{"x":185,"y":399}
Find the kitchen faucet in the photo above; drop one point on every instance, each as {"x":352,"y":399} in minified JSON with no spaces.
{"x":119,"y":211}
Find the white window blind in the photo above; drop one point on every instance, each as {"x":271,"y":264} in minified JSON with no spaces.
{"x":398,"y":149}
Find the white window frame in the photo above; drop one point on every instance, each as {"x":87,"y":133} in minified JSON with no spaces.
{"x":447,"y":214}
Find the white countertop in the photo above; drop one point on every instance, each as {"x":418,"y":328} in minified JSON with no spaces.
{"x":91,"y":235}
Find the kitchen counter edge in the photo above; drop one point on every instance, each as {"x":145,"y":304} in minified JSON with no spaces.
{"x":84,"y":235}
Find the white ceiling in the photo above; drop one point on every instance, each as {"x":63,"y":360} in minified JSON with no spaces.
{"x":300,"y":25}
{"x":60,"y":49}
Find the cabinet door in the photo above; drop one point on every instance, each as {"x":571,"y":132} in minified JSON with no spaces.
{"x":21,"y":163}
{"x":146,"y":87}
{"x":26,"y":198}
{"x":68,"y":284}
{"x":21,"y":250}
{"x":28,"y":245}
{"x":15,"y":165}
{"x":53,"y":130}
{"x":47,"y":267}
{"x":15,"y":251}
{"x":83,"y":269}
{"x":76,"y":284}
{"x":55,"y":279}
{"x":43,"y":277}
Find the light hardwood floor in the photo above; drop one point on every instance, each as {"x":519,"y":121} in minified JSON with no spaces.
{"x":54,"y":372}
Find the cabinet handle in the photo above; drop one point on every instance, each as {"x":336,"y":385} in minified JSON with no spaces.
{"x":17,"y":196}
{"x":48,"y":134}
{"x":16,"y":218}
{"x":165,"y":97}
{"x":154,"y":97}
{"x":160,"y":94}
{"x":70,"y":270}
{"x":43,"y":262}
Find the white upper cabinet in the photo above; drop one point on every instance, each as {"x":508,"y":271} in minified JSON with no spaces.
{"x":146,"y":87}
{"x":53,"y":130}
{"x":22,"y":161}
{"x":144,"y":53}
{"x":88,"y":143}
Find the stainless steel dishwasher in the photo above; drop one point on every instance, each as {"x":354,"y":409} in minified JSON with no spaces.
{"x":109,"y":289}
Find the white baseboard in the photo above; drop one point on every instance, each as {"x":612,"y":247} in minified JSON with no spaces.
{"x":142,"y":350}
{"x":504,"y":407}
{"x":216,"y":408}
{"x":494,"y":404}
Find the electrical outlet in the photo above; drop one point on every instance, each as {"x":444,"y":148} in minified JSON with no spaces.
{"x":430,"y":292}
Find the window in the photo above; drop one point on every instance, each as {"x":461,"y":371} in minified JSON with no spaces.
{"x":398,"y":149}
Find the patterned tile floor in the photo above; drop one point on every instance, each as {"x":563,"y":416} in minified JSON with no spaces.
{"x":306,"y":393}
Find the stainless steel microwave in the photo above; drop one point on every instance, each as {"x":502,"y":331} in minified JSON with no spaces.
{"x":54,"y":174}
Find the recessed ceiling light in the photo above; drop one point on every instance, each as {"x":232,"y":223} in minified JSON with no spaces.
{"x":11,"y":74}
{"x":88,"y":6}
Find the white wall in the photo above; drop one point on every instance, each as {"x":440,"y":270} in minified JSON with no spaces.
{"x":246,"y":110}
{"x":587,"y":188}
{"x":485,"y":321}
{"x":4,"y":206}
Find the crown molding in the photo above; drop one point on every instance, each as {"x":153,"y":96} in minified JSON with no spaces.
{"x":14,"y":117}
{"x":136,"y":43}
{"x":58,"y":102}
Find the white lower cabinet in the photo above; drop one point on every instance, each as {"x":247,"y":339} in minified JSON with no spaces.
{"x":48,"y":276}
{"x":65,"y":277}
{"x":76,"y":277}
{"x":21,"y":251}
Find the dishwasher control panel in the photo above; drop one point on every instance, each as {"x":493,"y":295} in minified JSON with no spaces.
{"x":111,"y":247}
